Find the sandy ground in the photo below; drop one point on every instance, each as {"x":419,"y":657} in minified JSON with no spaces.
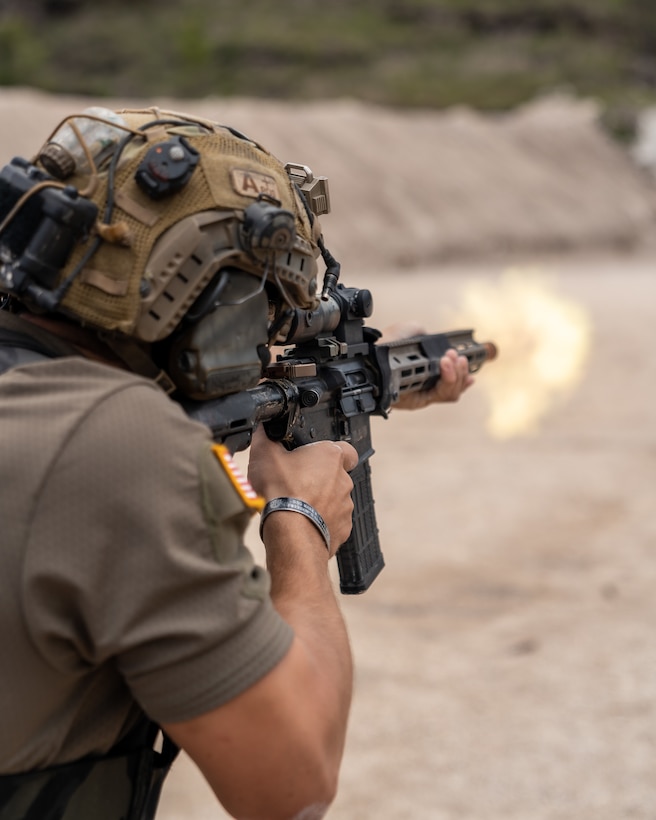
{"x":506,"y":665}
{"x":505,"y":658}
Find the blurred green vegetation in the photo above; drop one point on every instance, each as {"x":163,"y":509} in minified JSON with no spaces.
{"x":490,"y":54}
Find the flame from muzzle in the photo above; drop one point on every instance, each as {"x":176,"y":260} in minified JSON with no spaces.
{"x":543,"y":341}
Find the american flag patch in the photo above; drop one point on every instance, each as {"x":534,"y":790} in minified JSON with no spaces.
{"x":239,"y":481}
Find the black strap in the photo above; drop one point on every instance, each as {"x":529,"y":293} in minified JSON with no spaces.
{"x":119,"y":786}
{"x":16,"y":332}
{"x":11,"y":357}
{"x":22,"y":342}
{"x":138,"y":361}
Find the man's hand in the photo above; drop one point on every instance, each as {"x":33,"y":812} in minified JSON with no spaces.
{"x":454,"y":379}
{"x":316,"y":473}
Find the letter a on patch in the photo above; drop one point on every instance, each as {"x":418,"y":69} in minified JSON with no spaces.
{"x":238,"y":480}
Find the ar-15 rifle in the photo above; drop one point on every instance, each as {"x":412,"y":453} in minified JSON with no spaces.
{"x":325,"y":387}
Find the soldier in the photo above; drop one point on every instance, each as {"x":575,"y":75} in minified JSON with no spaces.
{"x":148,"y":257}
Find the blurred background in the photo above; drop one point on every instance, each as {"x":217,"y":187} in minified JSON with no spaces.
{"x":490,"y":54}
{"x":491,"y":165}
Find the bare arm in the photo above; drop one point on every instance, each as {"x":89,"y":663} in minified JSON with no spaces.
{"x":275,"y":750}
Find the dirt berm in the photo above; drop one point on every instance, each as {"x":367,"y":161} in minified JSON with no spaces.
{"x":505,"y":657}
{"x":411,"y":188}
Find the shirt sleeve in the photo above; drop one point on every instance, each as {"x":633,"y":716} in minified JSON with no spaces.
{"x":136,"y":558}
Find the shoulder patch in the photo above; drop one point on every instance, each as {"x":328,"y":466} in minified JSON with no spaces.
{"x":238,"y":480}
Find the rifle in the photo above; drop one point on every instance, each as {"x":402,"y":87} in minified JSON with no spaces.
{"x":325,"y":387}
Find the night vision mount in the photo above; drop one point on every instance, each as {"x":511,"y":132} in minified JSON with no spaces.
{"x":41,"y":221}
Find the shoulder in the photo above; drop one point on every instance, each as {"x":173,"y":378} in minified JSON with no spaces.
{"x":91,"y":400}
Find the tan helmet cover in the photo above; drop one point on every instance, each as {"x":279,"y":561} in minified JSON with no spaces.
{"x":157,"y":256}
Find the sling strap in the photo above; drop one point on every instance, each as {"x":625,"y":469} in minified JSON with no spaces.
{"x":121,"y":785}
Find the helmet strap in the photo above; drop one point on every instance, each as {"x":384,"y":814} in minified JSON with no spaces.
{"x":138,"y":361}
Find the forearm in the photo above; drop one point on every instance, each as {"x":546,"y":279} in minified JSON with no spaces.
{"x":312,"y":708}
{"x":303,"y":594}
{"x":286,"y":732}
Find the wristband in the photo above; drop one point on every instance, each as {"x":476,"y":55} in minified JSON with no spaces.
{"x":285,"y":504}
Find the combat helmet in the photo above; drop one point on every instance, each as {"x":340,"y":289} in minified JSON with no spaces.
{"x":124,"y":218}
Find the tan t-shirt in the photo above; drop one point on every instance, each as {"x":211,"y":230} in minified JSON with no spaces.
{"x":124,"y":581}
